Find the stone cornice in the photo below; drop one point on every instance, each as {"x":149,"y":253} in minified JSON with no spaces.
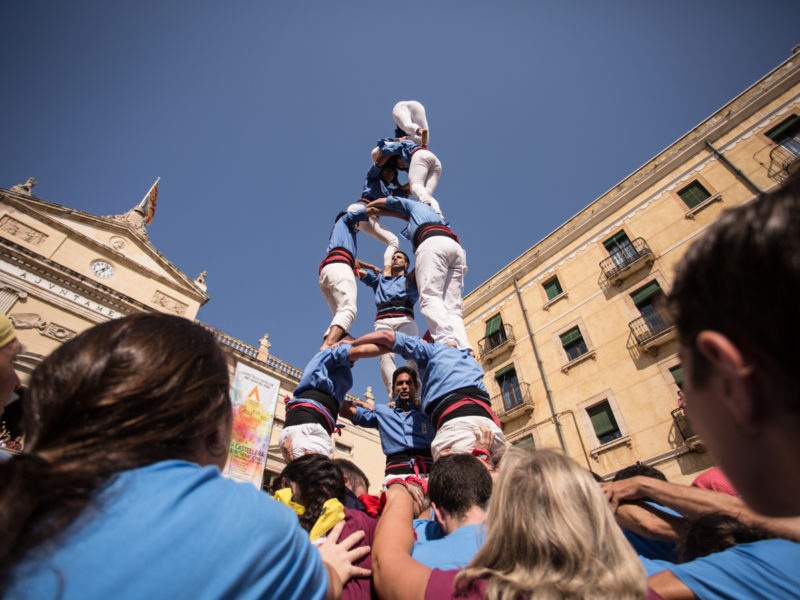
{"x":40,"y":209}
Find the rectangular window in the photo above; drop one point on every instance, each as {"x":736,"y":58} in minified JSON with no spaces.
{"x":645,"y":299}
{"x":552,"y":288}
{"x":524,"y":443}
{"x":693,"y":194}
{"x":343,"y":448}
{"x":787,"y":134}
{"x":620,"y":249}
{"x":495,"y":332}
{"x":573,"y":343}
{"x":677,"y":375}
{"x":603,"y":421}
{"x":509,"y":386}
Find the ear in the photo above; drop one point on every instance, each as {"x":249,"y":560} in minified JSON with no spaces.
{"x":438,"y":513}
{"x":737,"y":390}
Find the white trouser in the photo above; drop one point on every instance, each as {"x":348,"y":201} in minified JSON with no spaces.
{"x":405,"y":325}
{"x":374,"y":228}
{"x":440,"y":266}
{"x":338,"y":284}
{"x":307,"y":438}
{"x":409,"y":115}
{"x":423,"y":175}
{"x":458,"y":435}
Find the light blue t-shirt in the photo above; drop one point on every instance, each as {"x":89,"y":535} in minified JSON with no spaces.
{"x":399,"y":430}
{"x":452,"y":551}
{"x":175,"y":529}
{"x":767,"y":569}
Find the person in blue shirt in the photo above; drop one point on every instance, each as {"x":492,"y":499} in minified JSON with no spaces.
{"x":118,"y":491}
{"x":453,"y":395}
{"x":337,"y":280}
{"x":317,"y":401}
{"x":459,"y":488}
{"x":734,"y":302}
{"x":406,"y":433}
{"x":441,"y":264}
{"x":380,"y":182}
{"x":424,"y":168}
{"x":395,"y":295}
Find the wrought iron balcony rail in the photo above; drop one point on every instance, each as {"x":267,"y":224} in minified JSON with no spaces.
{"x":684,"y":427}
{"x":512,"y":398}
{"x":783,"y":161}
{"x":624,"y":256}
{"x":496,"y":340}
{"x":648,"y":327}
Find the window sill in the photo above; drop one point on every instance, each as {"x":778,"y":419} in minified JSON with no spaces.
{"x":625,"y":440}
{"x":549,"y":303}
{"x":710,"y":200}
{"x":591,"y":354}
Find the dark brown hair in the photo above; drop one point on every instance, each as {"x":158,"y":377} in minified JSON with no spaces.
{"x":122,"y":395}
{"x":317,"y":479}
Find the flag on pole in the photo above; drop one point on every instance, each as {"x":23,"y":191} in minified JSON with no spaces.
{"x":148,"y":203}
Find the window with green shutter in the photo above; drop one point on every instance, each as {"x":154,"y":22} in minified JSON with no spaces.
{"x":619,"y":240}
{"x":552,"y":288}
{"x":646,"y":294}
{"x":524,"y":443}
{"x":495,"y":333}
{"x":493,"y":325}
{"x":603,"y":421}
{"x":785,"y":129}
{"x":573,"y":343}
{"x":677,"y":375}
{"x":693,"y":194}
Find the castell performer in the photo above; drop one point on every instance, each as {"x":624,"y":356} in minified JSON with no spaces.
{"x":441,"y":264}
{"x":406,"y":433}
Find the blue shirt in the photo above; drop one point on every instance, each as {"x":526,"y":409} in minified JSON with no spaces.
{"x":653,"y":549}
{"x":344,"y":231}
{"x":174,"y":529}
{"x":374,"y":187}
{"x":388,"y":289}
{"x":329,"y":371}
{"x":453,"y":551}
{"x":415,"y":211}
{"x":403,"y":148}
{"x":399,"y":430}
{"x":766,"y":569}
{"x":443,"y":369}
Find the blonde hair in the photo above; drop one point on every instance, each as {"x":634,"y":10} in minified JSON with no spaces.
{"x":550,"y":534}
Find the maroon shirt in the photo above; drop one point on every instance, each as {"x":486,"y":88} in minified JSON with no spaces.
{"x":359,"y":588}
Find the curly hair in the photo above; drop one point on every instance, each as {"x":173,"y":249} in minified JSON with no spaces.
{"x":316,"y":479}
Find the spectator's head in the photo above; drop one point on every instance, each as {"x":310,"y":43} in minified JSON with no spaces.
{"x":549,"y":528}
{"x":714,"y":533}
{"x":314,"y":479}
{"x":124,"y":394}
{"x":734,"y":299}
{"x":354,"y":478}
{"x":9,"y":348}
{"x":457,"y":484}
{"x":639,"y":470}
{"x":404,"y":384}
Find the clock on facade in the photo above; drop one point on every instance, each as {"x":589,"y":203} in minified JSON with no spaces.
{"x":102,"y":269}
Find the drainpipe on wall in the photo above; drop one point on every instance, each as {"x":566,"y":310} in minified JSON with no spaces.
{"x":736,"y":171}
{"x":547,"y":391}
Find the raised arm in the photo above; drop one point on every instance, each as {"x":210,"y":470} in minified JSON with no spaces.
{"x":377,"y":208}
{"x":650,"y":522}
{"x":397,"y":576}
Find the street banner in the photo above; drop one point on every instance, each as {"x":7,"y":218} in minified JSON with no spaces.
{"x":254,"y":396}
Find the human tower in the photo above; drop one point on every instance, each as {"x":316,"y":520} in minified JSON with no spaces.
{"x":452,"y":394}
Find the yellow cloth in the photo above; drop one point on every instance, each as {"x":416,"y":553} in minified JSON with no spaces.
{"x":285,"y":495}
{"x":7,"y":332}
{"x":332,"y":513}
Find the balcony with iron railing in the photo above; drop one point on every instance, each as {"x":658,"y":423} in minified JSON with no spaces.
{"x":626,"y":260}
{"x":512,"y":400}
{"x":652,"y":329}
{"x":684,"y":428}
{"x":493,"y":344}
{"x":784,"y":159}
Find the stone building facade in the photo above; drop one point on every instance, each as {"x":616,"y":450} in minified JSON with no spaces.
{"x":63,"y":270}
{"x":578,"y":350}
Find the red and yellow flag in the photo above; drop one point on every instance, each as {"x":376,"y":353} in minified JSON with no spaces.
{"x":149,"y":203}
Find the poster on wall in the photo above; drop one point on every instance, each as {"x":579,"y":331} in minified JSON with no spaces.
{"x":254,"y":396}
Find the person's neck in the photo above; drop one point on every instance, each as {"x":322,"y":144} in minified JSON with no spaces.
{"x":397,"y":272}
{"x":474,"y":516}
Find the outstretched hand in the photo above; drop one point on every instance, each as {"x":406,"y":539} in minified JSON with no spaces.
{"x":340,"y":556}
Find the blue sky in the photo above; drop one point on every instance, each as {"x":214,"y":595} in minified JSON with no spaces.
{"x":259,"y":118}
